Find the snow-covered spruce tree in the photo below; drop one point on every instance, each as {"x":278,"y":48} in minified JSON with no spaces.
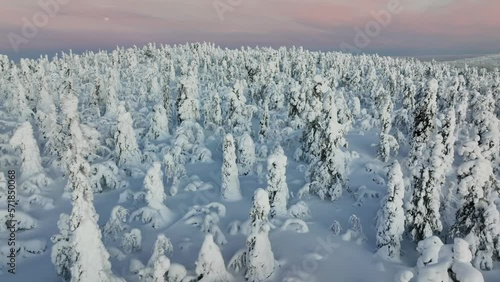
{"x":105,"y":176}
{"x":31,"y":162}
{"x":46,"y":115}
{"x":132,"y":241}
{"x":276,"y":183}
{"x":257,"y":259}
{"x":423,"y":217}
{"x":424,"y":122}
{"x":403,"y":117}
{"x":111,"y":99}
{"x":391,"y":217}
{"x":156,"y":212}
{"x":160,"y":269}
{"x":127,"y":151}
{"x":264,"y":121}
{"x":477,"y":219}
{"x":387,"y":143}
{"x":327,"y":172}
{"x":167,"y":99}
{"x":161,"y":247}
{"x":438,"y":262}
{"x":158,"y":128}
{"x":431,"y":177}
{"x":188,"y":105}
{"x":260,"y":262}
{"x":153,"y":84}
{"x":158,"y":264}
{"x":274,"y":91}
{"x":213,"y":111}
{"x":115,"y":226}
{"x":447,"y":135}
{"x":96,"y":103}
{"x":210,"y":266}
{"x":312,"y":134}
{"x":174,"y":168}
{"x":80,"y":137}
{"x":61,"y":255}
{"x":90,"y":259}
{"x":487,"y":127}
{"x":246,"y":154}
{"x":484,"y":238}
{"x":18,"y":102}
{"x":462,"y":105}
{"x":409,"y":94}
{"x":237,"y":114}
{"x":297,"y":104}
{"x":230,"y":187}
{"x":462,"y":270}
{"x":153,"y":183}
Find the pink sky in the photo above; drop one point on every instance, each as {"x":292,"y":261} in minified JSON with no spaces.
{"x":423,"y":27}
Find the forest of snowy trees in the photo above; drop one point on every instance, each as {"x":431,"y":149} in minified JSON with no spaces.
{"x":192,"y":163}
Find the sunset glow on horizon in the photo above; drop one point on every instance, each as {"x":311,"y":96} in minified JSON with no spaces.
{"x":442,"y":27}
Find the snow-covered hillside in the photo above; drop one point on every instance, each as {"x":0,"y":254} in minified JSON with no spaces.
{"x":488,"y":62}
{"x":196,"y":163}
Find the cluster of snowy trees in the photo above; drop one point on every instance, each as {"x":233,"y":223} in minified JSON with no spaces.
{"x":452,"y":112}
{"x":103,"y":120}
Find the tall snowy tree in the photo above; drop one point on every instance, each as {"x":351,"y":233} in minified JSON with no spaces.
{"x":445,"y":154}
{"x":90,"y":259}
{"x":156,"y":213}
{"x":276,"y":183}
{"x":188,"y":105}
{"x":462,"y":106}
{"x":127,"y":151}
{"x":18,"y":102}
{"x":31,"y":162}
{"x":391,"y":217}
{"x":158,"y":128}
{"x":61,"y":255}
{"x":96,"y":103}
{"x":115,"y":226}
{"x":423,"y":217}
{"x":260,"y":264}
{"x":237,"y":114}
{"x":111,"y":99}
{"x":132,"y":241}
{"x":264,"y":122}
{"x":424,"y":121}
{"x":160,"y":269}
{"x":48,"y":125}
{"x":213,"y":111}
{"x":487,"y":127}
{"x":387,"y":143}
{"x":296,"y":105}
{"x":77,"y":136}
{"x":246,"y":154}
{"x":448,"y":135}
{"x":477,"y":219}
{"x":210,"y":266}
{"x":161,"y":247}
{"x":230,"y":187}
{"x":327,"y":172}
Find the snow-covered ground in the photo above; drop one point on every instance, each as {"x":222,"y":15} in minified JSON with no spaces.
{"x":488,"y":62}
